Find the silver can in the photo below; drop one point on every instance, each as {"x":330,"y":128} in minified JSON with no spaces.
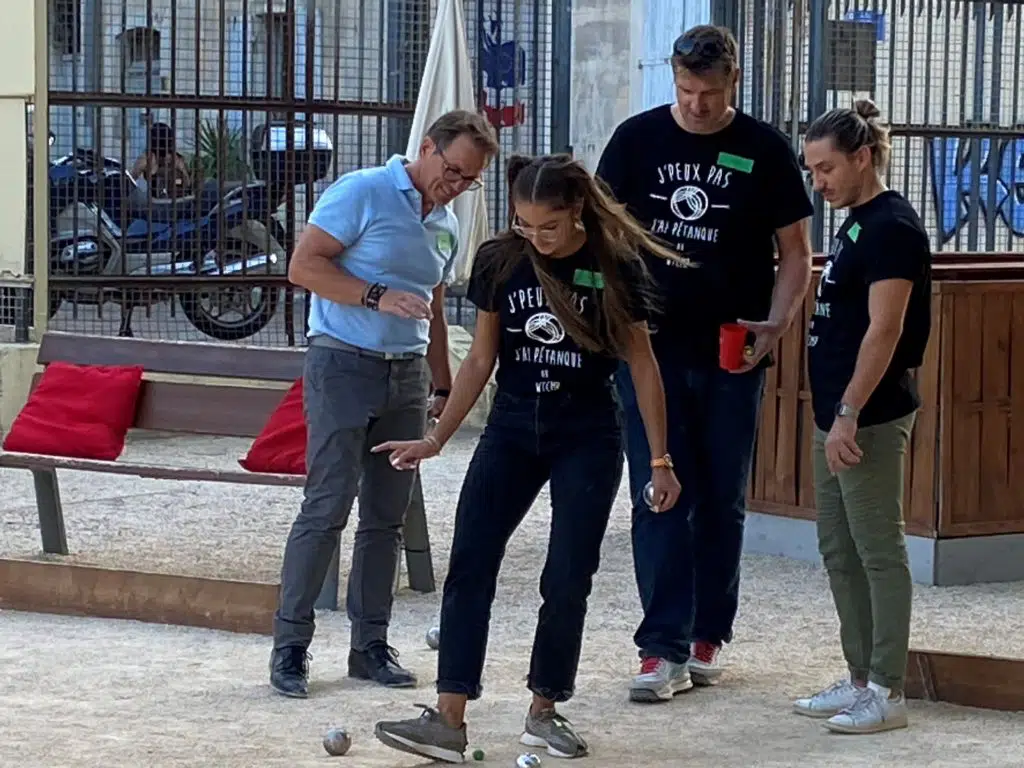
{"x":527,"y":761}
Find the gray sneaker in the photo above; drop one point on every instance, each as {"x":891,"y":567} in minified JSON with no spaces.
{"x":659,"y":680}
{"x":830,"y":701}
{"x":872,"y":712}
{"x":553,"y":732}
{"x":427,"y":735}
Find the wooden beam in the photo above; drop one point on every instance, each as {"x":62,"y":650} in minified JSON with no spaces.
{"x":234,"y":361}
{"x":78,"y":590}
{"x":989,"y":682}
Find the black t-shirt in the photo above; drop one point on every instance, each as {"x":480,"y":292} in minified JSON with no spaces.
{"x":718,"y":200}
{"x":882,"y":239}
{"x":537,"y":355}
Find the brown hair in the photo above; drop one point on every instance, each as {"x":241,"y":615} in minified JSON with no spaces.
{"x":614,"y":236}
{"x":460,"y":122}
{"x":851,"y":129}
{"x":705,"y":48}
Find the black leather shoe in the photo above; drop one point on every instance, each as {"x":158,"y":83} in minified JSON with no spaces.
{"x":289,"y":670}
{"x":380,"y":664}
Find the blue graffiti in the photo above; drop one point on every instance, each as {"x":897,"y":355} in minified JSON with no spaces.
{"x":955,"y":179}
{"x":503,"y":63}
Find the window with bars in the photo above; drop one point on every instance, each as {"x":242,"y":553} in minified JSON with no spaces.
{"x":850,"y":54}
{"x":66,"y":26}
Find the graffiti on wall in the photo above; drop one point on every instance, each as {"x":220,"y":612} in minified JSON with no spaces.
{"x":504,"y":69}
{"x":962,"y":174}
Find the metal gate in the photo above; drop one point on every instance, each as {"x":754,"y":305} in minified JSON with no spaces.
{"x":946,"y":74}
{"x":289,"y":93}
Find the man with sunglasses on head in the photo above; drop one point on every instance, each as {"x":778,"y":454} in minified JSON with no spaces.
{"x":725,"y":190}
{"x":375,"y":256}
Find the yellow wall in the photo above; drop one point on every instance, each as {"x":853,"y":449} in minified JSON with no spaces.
{"x":17,"y":88}
{"x":17,"y":85}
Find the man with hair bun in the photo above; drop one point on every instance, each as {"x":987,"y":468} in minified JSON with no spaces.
{"x":723,"y":190}
{"x":871,"y":323}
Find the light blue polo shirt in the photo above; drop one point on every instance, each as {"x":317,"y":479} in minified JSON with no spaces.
{"x":376,"y":213}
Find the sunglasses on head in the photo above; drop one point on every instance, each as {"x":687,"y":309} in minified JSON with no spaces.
{"x":689,"y":45}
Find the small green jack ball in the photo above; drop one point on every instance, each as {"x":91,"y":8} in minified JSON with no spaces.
{"x":478,"y":754}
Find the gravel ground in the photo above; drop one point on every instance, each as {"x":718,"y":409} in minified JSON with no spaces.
{"x":92,"y":692}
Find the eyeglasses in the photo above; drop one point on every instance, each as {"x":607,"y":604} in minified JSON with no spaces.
{"x":690,"y":45}
{"x":533,"y":233}
{"x":454,"y":176}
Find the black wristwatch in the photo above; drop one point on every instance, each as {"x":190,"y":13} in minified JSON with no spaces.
{"x":442,"y":392}
{"x":372,"y":294}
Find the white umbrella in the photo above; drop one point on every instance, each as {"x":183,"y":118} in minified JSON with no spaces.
{"x":448,"y":83}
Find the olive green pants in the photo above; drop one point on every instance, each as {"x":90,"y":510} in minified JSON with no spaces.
{"x":860,"y":537}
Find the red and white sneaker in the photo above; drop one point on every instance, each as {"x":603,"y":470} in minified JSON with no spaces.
{"x":703,"y":664}
{"x":659,"y":680}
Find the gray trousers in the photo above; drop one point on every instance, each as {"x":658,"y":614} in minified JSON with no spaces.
{"x":352,"y":402}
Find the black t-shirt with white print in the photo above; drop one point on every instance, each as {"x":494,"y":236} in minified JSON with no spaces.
{"x":717,"y":199}
{"x":882,"y":239}
{"x":536,"y":355}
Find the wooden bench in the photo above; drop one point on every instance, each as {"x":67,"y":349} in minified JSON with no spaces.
{"x":223,"y":409}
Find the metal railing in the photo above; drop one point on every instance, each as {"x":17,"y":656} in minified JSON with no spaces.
{"x":190,"y":141}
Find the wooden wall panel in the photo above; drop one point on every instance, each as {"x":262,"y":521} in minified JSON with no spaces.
{"x":49,"y":587}
{"x":965,"y":468}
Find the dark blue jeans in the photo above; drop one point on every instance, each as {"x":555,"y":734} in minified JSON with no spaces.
{"x":575,"y":442}
{"x":687,"y":559}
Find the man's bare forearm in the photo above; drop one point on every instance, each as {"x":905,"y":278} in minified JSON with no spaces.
{"x":791,"y":283}
{"x":324,"y":278}
{"x":873,"y":358}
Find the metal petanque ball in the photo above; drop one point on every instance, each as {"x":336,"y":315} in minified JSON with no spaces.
{"x":433,"y":638}
{"x":649,"y":495}
{"x":337,"y":742}
{"x":527,"y":761}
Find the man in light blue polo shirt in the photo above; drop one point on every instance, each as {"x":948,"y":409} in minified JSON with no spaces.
{"x":375,"y":256}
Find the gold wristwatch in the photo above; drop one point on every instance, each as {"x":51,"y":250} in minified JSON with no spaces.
{"x":662,"y":461}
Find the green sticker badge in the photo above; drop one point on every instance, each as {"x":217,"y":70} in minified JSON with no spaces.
{"x":737,"y":163}
{"x":588,"y":279}
{"x":854,"y":232}
{"x":445,"y":243}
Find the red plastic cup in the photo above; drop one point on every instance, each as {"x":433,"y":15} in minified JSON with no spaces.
{"x":732,"y":337}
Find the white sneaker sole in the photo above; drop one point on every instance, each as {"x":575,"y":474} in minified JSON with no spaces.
{"x":817,"y":714}
{"x":649,"y":695}
{"x":425,"y":750}
{"x":529,"y":740}
{"x":886,"y":725}
{"x":705,"y":676}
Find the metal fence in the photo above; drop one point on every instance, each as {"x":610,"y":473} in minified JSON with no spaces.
{"x":268,"y":101}
{"x":263,"y":103}
{"x":947,"y":75}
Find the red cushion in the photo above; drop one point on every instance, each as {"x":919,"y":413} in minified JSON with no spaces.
{"x":78,"y":411}
{"x":281,"y":446}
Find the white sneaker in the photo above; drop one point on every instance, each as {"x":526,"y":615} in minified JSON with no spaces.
{"x":829,"y":702}
{"x":703,"y":664}
{"x":873,"y":712}
{"x":659,"y":680}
